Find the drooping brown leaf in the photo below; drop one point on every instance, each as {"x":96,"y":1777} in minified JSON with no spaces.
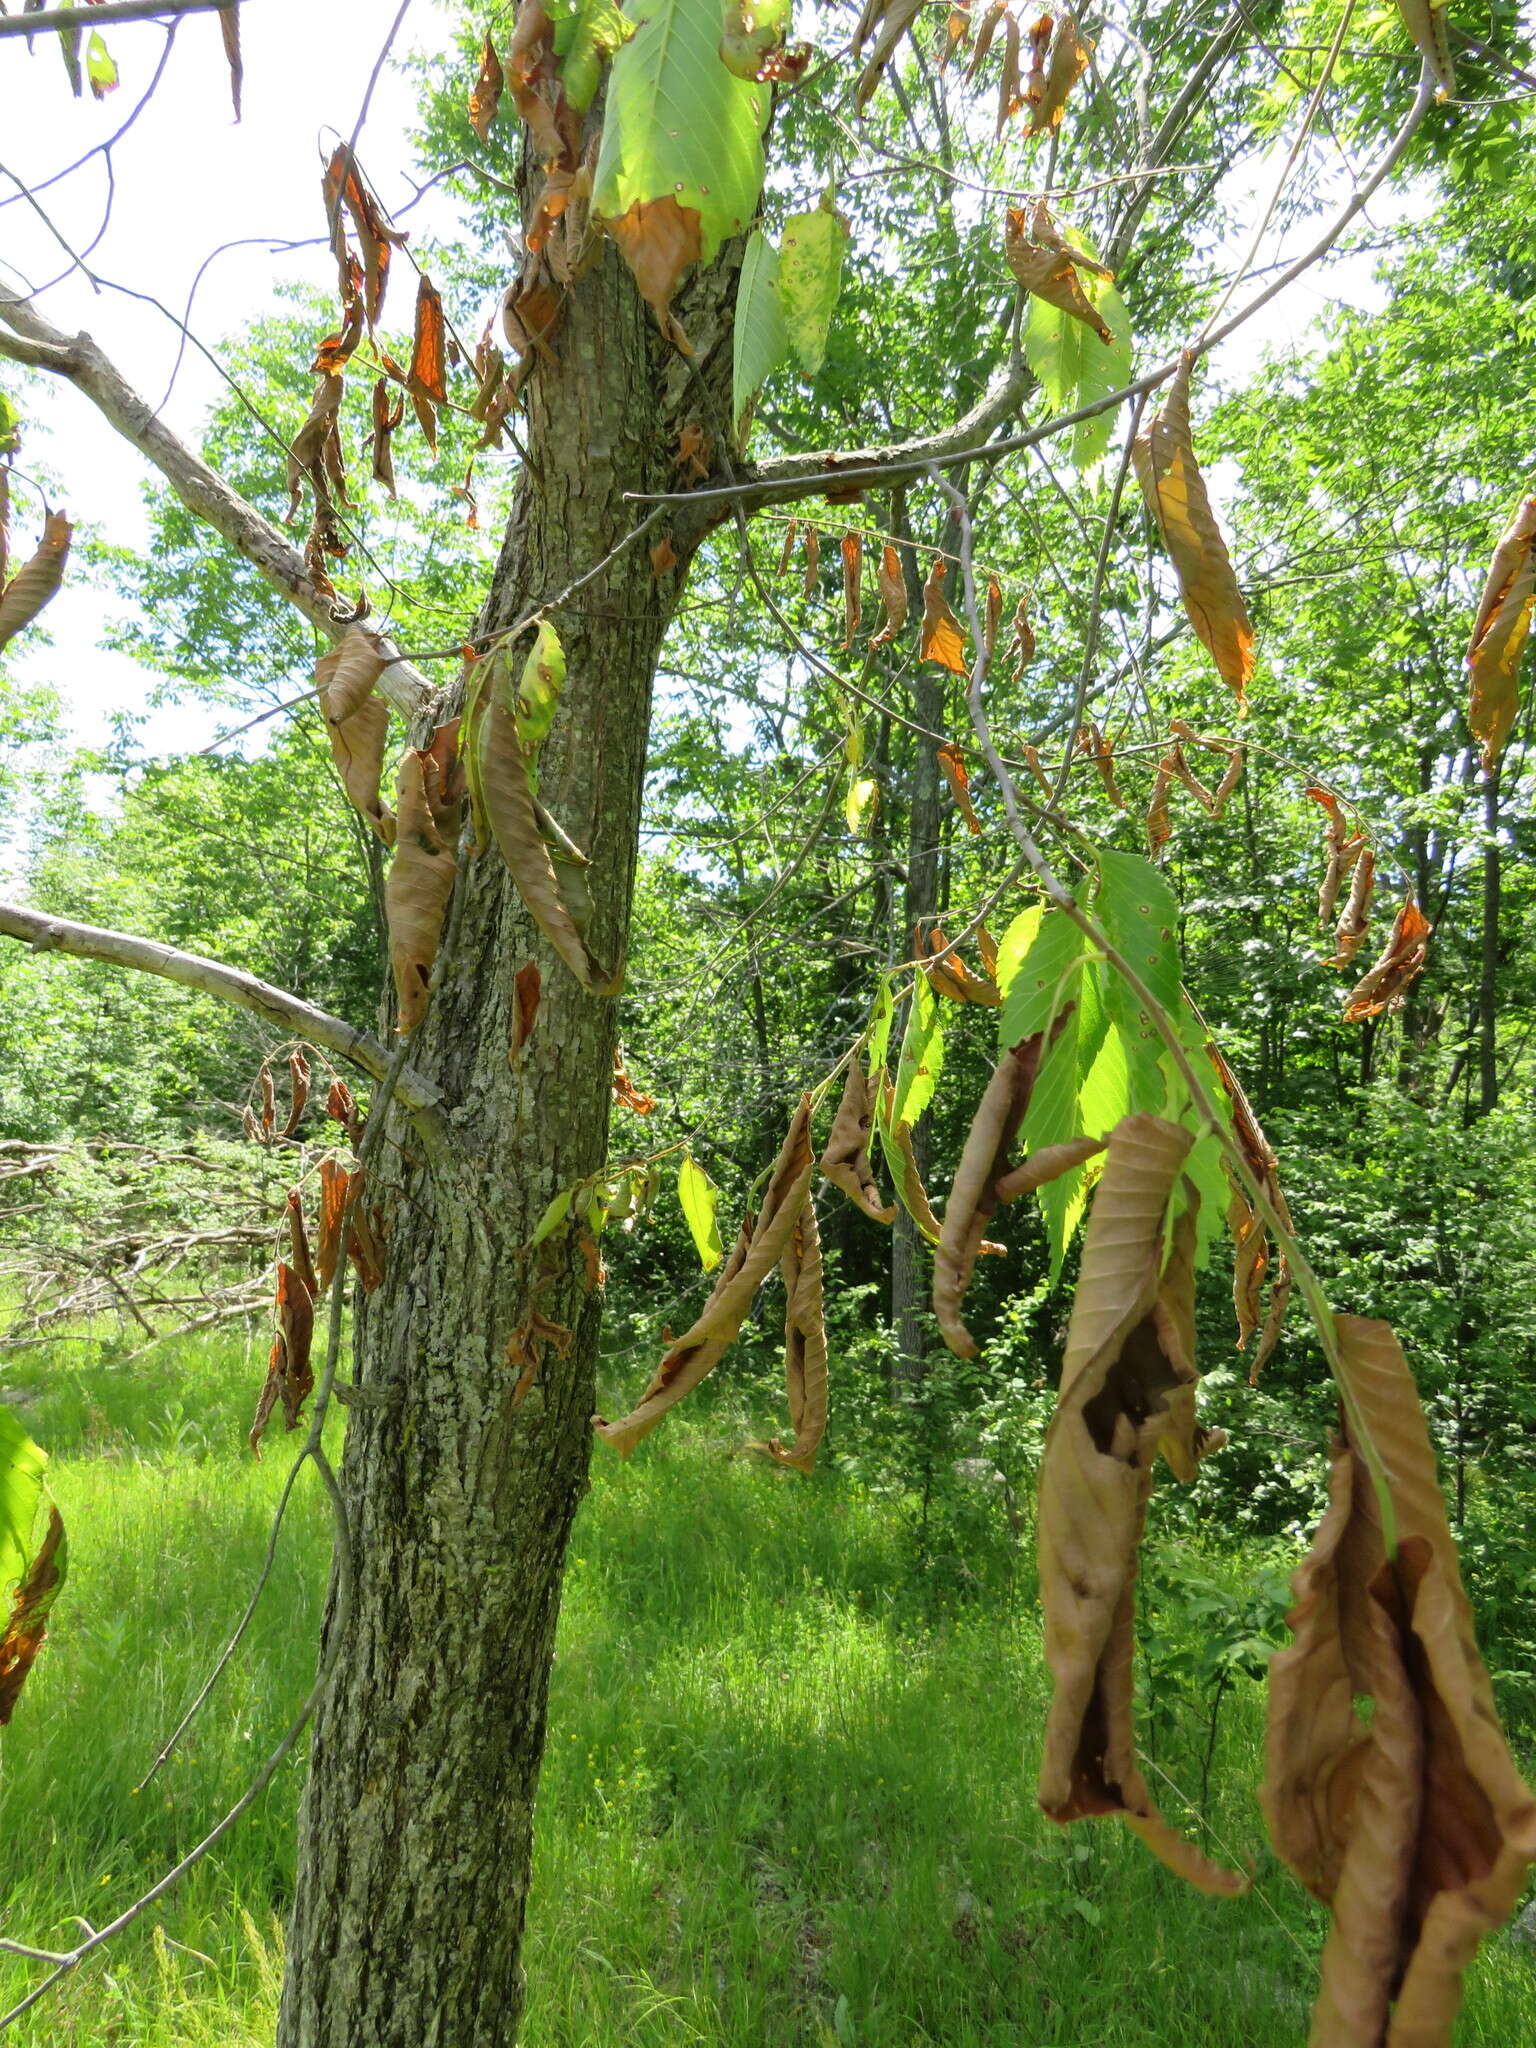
{"x":1344,"y":849}
{"x":341,"y":1108}
{"x":229,"y":26}
{"x":981,"y":49}
{"x":526,"y":984}
{"x":1353,"y":923}
{"x":316,"y":455}
{"x":1091,"y":741}
{"x":694,"y":449}
{"x":1033,"y":763}
{"x":758,"y":1250}
{"x":357,"y":747}
{"x":27,"y":1623}
{"x":427,"y":377}
{"x":1499,"y":634}
{"x":992,"y":618}
{"x":298,"y":1083}
{"x":1413,"y":1823}
{"x":533,"y":77}
{"x":1068,"y":61}
{"x":786,"y":553}
{"x":659,"y":240}
{"x":1159,"y":824}
{"x":958,"y":776}
{"x":1384,"y":984}
{"x":298,"y":1241}
{"x":37,"y":580}
{"x":853,"y":566}
{"x":1047,"y":1163}
{"x":812,"y":581}
{"x":334,"y":1183}
{"x":537,"y":1334}
{"x":386,"y":418}
{"x":1022,"y":647}
{"x":1010,"y":79}
{"x":1127,"y":1392}
{"x":290,"y":1378}
{"x":663,"y":558}
{"x":365,"y":1245}
{"x":914,"y":1196}
{"x":957,"y":30}
{"x":346,"y":676}
{"x":894,"y":18}
{"x":892,"y":586}
{"x":948,"y":974}
{"x":420,"y":882}
{"x":1425,"y":22}
{"x":268,"y":1103}
{"x":941,"y":640}
{"x":509,"y":806}
{"x":846,"y":1160}
{"x":973,"y":1199}
{"x":348,"y":198}
{"x":1232,"y":775}
{"x":625,"y":1092}
{"x":1250,"y":1233}
{"x":1171,"y":483}
{"x":1046,"y":266}
{"x":805,"y":1346}
{"x":485,"y":93}
{"x":1191,"y":781}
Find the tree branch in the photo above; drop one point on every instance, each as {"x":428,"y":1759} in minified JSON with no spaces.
{"x":47,"y":934}
{"x":27,"y":337}
{"x":93,"y":12}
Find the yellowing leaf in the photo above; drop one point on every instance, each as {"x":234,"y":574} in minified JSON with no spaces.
{"x":1425,"y":22}
{"x":538,"y":691}
{"x":941,"y":639}
{"x":810,"y":277}
{"x":861,"y":803}
{"x":760,"y":342}
{"x":699,"y":1197}
{"x":1048,"y":267}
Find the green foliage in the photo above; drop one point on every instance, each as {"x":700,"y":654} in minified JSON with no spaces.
{"x":22,"y":1466}
{"x":922,"y":1055}
{"x":587,"y":33}
{"x":761,"y":340}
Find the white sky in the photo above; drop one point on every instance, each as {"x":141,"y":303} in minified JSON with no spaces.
{"x":189,"y":179}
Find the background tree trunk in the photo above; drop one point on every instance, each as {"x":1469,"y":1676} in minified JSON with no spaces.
{"x":418,"y":1815}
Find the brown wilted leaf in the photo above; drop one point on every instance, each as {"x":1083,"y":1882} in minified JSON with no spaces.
{"x":1344,"y":849}
{"x":1022,"y":647}
{"x":27,"y":1623}
{"x":346,"y":676}
{"x":1010,"y":82}
{"x":1499,"y":633}
{"x":758,"y":1249}
{"x":298,"y":1241}
{"x":357,"y":747}
{"x":1048,"y":1163}
{"x":420,"y":881}
{"x":229,"y":27}
{"x":1033,"y":764}
{"x":894,"y":18}
{"x":316,"y":455}
{"x":1192,"y":782}
{"x":526,"y":984}
{"x":509,"y":808}
{"x":1425,"y":22}
{"x":365,"y":1246}
{"x":345,"y":194}
{"x":1127,"y":1392}
{"x":957,"y":30}
{"x":958,"y":776}
{"x":298,"y":1083}
{"x":1171,"y":483}
{"x":846,"y":1160}
{"x":485,"y":93}
{"x":805,"y":1346}
{"x":341,"y":1108}
{"x":268,"y":1103}
{"x":1068,"y":61}
{"x":914,"y":1196}
{"x":533,"y":77}
{"x":941,"y":639}
{"x":1159,"y":824}
{"x":1091,"y":741}
{"x":949,"y":975}
{"x":427,"y":377}
{"x":973,"y":1199}
{"x":853,"y":565}
{"x":1352,"y":925}
{"x":892,"y":586}
{"x":334,"y":1184}
{"x":812,"y":562}
{"x":387,"y":416}
{"x":1384,"y":984}
{"x":1250,"y":1234}
{"x":693,"y":453}
{"x":290,"y":1378}
{"x":625,"y":1093}
{"x":1232,"y":774}
{"x":982,"y":47}
{"x":537,"y":1333}
{"x":1044,"y":265}
{"x":659,"y":240}
{"x":37,"y":580}
{"x":786,"y":553}
{"x":1412,"y":1824}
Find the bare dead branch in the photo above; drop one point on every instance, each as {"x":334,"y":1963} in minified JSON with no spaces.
{"x":26,"y":336}
{"x":99,"y":11}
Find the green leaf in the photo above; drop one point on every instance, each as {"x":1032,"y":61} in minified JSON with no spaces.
{"x":1053,"y":1118}
{"x":1104,"y":1091}
{"x":587,"y":33}
{"x":761,"y":341}
{"x":810,"y":277}
{"x":10,"y":426}
{"x":553,"y":1216}
{"x":881,"y":1017}
{"x":1015,"y":944}
{"x":538,"y":692}
{"x":1074,"y":366}
{"x":1045,"y":979}
{"x":922,"y":1055}
{"x":100,"y":68}
{"x":22,"y":1465}
{"x":699,"y":1195}
{"x":679,"y":126}
{"x":1140,"y":916}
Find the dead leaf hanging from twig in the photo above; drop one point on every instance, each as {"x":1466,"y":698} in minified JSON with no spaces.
{"x":846,"y":1161}
{"x":1385,"y":983}
{"x":941,"y":640}
{"x":805,"y":1346}
{"x":37,"y":580}
{"x":1499,"y":634}
{"x":290,"y":1378}
{"x":1047,"y":266}
{"x":429,"y":798}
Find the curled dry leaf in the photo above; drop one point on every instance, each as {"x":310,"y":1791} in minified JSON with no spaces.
{"x":1171,"y":483}
{"x":1068,"y":60}
{"x":694,"y":449}
{"x":1127,"y":1392}
{"x":1250,"y":1233}
{"x":758,"y":1249}
{"x":663,"y":558}
{"x":485,"y":94}
{"x":982,"y":48}
{"x":1344,"y":850}
{"x":427,"y":377}
{"x":298,"y":1241}
{"x":347,"y":197}
{"x":846,"y":1160}
{"x":1499,"y":634}
{"x":894,"y":18}
{"x":853,"y":565}
{"x":805,"y":1346}
{"x":341,"y":1108}
{"x":974,"y":1198}
{"x":37,"y":580}
{"x":786,"y":553}
{"x":1355,"y":920}
{"x":958,"y":776}
{"x":1048,"y":267}
{"x":290,"y":1378}
{"x":334,"y":1183}
{"x":892,"y":585}
{"x":941,"y":639}
{"x":1413,"y":1825}
{"x":897,"y":1142}
{"x":365,"y":1242}
{"x":1159,"y":824}
{"x":298,"y":1083}
{"x":1047,"y":1163}
{"x":659,"y":240}
{"x":387,"y":413}
{"x":625,"y":1092}
{"x":948,"y":974}
{"x":526,"y":984}
{"x":421,"y":876}
{"x":1091,"y":741}
{"x":347,"y":675}
{"x":1010,"y":82}
{"x":358,"y":740}
{"x":1021,"y":649}
{"x":536,"y":88}
{"x":812,"y":562}
{"x":505,"y":799}
{"x":1384,"y":984}
{"x":1192,"y":782}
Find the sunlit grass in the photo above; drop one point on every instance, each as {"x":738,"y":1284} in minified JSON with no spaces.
{"x":788,"y":1798}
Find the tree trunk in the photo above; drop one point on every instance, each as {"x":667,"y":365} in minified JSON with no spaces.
{"x":416,"y":1831}
{"x":1488,"y":971}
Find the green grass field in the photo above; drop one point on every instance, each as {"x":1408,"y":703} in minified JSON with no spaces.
{"x":788,"y":1797}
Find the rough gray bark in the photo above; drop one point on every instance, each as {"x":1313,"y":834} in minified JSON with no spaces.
{"x":418,"y":1813}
